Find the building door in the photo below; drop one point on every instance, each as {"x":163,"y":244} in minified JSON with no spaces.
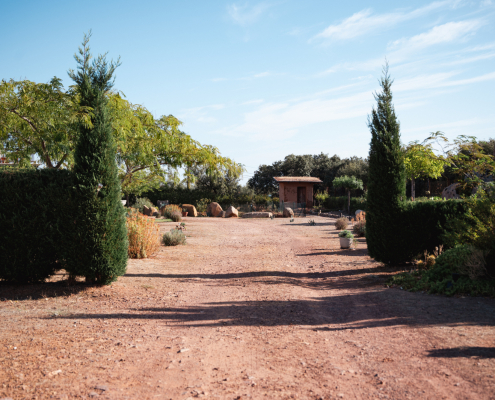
{"x":301,"y":194}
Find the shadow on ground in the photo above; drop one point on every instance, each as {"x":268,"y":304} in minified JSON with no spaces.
{"x":468,"y":352}
{"x":368,"y":309}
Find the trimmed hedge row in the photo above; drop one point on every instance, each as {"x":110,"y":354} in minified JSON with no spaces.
{"x":419,"y":226}
{"x":37,"y":223}
{"x":340,"y":203}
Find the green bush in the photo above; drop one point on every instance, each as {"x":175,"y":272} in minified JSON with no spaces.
{"x":174,"y":237}
{"x":38,"y":224}
{"x":175,"y":216}
{"x":417,"y":227}
{"x":440,"y":278}
{"x":340,"y":203}
{"x":101,"y":214}
{"x":346,"y":234}
{"x":141,"y":202}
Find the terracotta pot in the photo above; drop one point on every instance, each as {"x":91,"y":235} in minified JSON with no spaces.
{"x":345,"y":243}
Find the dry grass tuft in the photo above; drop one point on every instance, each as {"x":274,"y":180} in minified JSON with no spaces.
{"x":143,"y":235}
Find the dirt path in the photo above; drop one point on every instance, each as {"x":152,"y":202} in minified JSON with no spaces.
{"x":247,"y":309}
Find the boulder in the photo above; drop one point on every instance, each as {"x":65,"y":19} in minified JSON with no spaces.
{"x":146,"y":210}
{"x":360,"y":215}
{"x":214,"y":209}
{"x":288,"y":213}
{"x":191,"y":210}
{"x":450,"y":192}
{"x":231,"y":212}
{"x":154,"y":212}
{"x":221,"y":214}
{"x":257,"y":214}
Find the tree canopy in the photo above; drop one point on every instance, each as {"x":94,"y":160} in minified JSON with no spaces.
{"x":41,"y":119}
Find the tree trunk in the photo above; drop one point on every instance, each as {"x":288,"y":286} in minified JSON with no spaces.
{"x":413,"y":188}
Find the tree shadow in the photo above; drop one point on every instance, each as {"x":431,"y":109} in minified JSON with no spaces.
{"x":35,"y":291}
{"x":367,"y":309}
{"x":467,"y":352}
{"x":341,"y":252}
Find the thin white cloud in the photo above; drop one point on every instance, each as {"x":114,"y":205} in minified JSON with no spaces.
{"x":257,"y":101}
{"x":439,"y":80}
{"x":365,"y":22}
{"x":244,"y":15}
{"x":200,"y":114}
{"x":445,"y":33}
{"x":262,"y":74}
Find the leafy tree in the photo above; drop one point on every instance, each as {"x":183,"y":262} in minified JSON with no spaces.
{"x":421,"y":161}
{"x":386,"y":179}
{"x":348,"y":183}
{"x":466,"y":157}
{"x":355,"y":166}
{"x":104,"y":238}
{"x":38,"y":119}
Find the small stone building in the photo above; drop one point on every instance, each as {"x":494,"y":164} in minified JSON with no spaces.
{"x":296,"y":189}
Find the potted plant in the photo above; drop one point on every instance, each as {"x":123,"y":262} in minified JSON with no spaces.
{"x":346,"y":239}
{"x":184,"y":212}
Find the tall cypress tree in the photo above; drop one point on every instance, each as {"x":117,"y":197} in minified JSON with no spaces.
{"x":386,"y":177}
{"x":101,"y":222}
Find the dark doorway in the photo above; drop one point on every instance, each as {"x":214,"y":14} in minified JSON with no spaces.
{"x":301,"y":194}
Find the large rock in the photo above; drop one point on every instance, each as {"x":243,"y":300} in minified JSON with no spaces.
{"x":214,"y":209}
{"x":288,"y":213}
{"x":231,"y":212}
{"x":146,"y":210}
{"x":191,"y":210}
{"x":221,"y":214}
{"x":257,"y":214}
{"x":450,"y":192}
{"x":360,"y":215}
{"x":154,"y":212}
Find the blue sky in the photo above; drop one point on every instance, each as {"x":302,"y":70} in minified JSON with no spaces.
{"x":261,"y":80}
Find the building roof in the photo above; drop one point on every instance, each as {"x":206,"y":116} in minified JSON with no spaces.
{"x":307,"y":179}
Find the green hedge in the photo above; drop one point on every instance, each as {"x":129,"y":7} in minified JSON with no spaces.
{"x":340,"y":203}
{"x":37,"y":223}
{"x":419,"y":226}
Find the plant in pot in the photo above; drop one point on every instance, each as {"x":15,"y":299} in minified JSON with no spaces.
{"x":184,"y":212}
{"x":346,"y":239}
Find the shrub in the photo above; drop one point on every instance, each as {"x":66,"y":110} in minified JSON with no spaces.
{"x":359,"y":228}
{"x":346,"y":234}
{"x":171,"y":208}
{"x":141,"y":202}
{"x":449,"y":275}
{"x":174,"y":238}
{"x":419,"y":227}
{"x":175,"y":216}
{"x":311,"y":222}
{"x":387,"y":180}
{"x":339,"y":203}
{"x":143,"y":235}
{"x":341,"y":223}
{"x":102,"y":220}
{"x":202,"y":204}
{"x":38,"y":223}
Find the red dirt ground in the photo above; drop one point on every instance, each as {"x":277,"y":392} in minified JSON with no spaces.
{"x":247,"y":309}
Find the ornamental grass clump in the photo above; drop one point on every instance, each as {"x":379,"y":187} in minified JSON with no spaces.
{"x":174,"y":237}
{"x":143,"y":235}
{"x":341,"y":223}
{"x":172,"y":212}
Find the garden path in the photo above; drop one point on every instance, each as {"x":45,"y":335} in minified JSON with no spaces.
{"x":247,"y":309}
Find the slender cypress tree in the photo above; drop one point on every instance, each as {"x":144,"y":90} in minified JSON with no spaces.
{"x":101,"y":222}
{"x":386,"y":177}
